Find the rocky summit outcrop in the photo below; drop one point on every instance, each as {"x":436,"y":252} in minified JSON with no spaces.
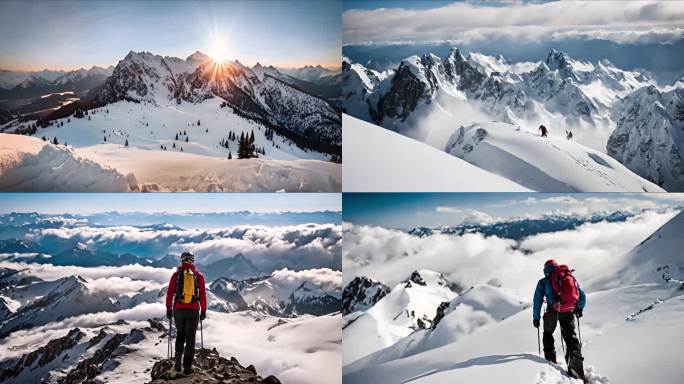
{"x":209,"y":367}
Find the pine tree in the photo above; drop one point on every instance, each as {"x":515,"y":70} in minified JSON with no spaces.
{"x":181,"y":149}
{"x":176,"y":137}
{"x":186,"y":139}
{"x":230,"y":155}
{"x":105,"y":138}
{"x":174,"y":144}
{"x":88,"y":120}
{"x":44,"y":138}
{"x":54,"y":141}
{"x":68,"y":120}
{"x":198,"y":122}
{"x":126,"y":143}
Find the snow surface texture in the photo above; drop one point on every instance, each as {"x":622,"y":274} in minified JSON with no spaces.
{"x":621,"y":113}
{"x":630,"y":322}
{"x":29,"y":164}
{"x":377,"y":160}
{"x":24,"y":166}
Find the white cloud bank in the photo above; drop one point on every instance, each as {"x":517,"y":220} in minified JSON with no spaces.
{"x":462,"y":23}
{"x":594,"y":250}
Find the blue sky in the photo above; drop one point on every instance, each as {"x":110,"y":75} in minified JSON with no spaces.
{"x":408,"y":210}
{"x":87,"y":203}
{"x":74,"y":34}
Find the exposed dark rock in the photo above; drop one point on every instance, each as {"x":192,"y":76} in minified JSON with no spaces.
{"x":362,"y":293}
{"x":209,"y":367}
{"x":40,"y":356}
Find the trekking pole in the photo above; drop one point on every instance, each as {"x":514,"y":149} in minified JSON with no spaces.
{"x":169,"y":350}
{"x":579,"y":332}
{"x":201,"y":335}
{"x":538,"y":344}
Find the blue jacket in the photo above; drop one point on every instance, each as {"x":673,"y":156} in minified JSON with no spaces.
{"x":544,"y":289}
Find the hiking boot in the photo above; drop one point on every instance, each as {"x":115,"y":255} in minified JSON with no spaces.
{"x":550,"y":356}
{"x":177,"y":363}
{"x":576,"y":367}
{"x":188,"y":370}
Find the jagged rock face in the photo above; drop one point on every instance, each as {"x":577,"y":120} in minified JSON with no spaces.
{"x":361,"y":294}
{"x":461,"y":72}
{"x":209,"y":367}
{"x":416,"y":278}
{"x":41,"y":356}
{"x":91,"y":367}
{"x":441,"y":311}
{"x":406,"y":91}
{"x":649,"y":137}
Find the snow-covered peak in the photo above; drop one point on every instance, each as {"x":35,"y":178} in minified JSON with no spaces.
{"x":198,"y":58}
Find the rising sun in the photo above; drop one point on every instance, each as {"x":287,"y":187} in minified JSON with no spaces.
{"x":219,"y":49}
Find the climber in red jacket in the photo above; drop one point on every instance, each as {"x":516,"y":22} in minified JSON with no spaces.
{"x":186,"y":302}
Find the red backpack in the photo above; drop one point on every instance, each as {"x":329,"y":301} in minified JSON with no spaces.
{"x":565,"y":289}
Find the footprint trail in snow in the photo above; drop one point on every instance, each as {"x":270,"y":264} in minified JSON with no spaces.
{"x":555,"y":374}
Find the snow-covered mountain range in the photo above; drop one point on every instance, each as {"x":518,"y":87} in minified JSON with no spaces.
{"x":17,"y":85}
{"x":484,"y":332}
{"x":116,"y":122}
{"x":621,"y":113}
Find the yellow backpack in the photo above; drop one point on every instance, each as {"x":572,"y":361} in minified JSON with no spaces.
{"x":187,"y":290}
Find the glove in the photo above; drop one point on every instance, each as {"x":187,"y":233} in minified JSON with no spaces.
{"x":203,"y":315}
{"x":535,"y":322}
{"x":578,"y":312}
{"x":169,"y":314}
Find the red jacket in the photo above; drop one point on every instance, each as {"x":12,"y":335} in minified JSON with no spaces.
{"x":171,"y":292}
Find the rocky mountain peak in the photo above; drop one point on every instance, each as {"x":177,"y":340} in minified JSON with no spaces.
{"x":209,"y":367}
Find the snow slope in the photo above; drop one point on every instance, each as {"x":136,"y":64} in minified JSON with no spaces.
{"x":376,"y":159}
{"x":30,"y":164}
{"x":542,"y":164}
{"x":509,"y":347}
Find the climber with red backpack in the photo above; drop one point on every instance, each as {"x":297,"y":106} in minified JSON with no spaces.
{"x":186,"y":303}
{"x":565,"y":299}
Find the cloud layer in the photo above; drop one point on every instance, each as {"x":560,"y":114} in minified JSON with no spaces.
{"x":595,"y":250}
{"x":269,"y":248}
{"x":463,"y":23}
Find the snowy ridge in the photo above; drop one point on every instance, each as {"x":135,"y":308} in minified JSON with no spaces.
{"x":542,"y":163}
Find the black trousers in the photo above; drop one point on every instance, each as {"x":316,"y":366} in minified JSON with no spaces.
{"x":567,"y":326}
{"x":186,"y":327}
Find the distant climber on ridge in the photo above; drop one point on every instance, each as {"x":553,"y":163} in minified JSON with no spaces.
{"x":565,"y":299}
{"x":543,"y":130}
{"x":186,"y":303}
{"x":568,"y":135}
